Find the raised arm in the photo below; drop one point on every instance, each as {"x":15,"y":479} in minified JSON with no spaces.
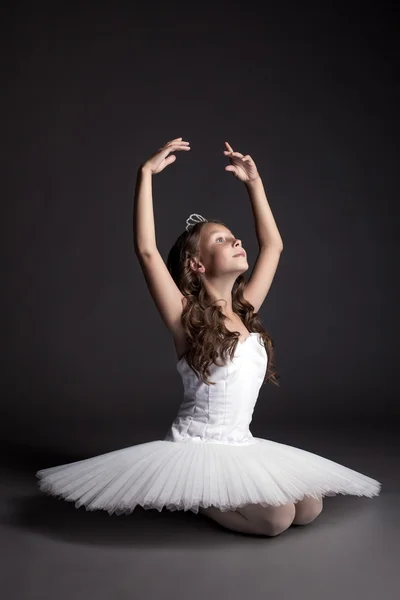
{"x":144,"y":235}
{"x":269,"y":238}
{"x":162,"y":287}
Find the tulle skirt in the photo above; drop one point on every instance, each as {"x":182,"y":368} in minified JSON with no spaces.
{"x":188,"y":475}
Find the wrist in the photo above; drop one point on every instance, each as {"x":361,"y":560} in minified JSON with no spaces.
{"x":253,"y":181}
{"x":144,"y":169}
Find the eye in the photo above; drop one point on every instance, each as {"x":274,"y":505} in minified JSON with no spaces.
{"x":219,"y":238}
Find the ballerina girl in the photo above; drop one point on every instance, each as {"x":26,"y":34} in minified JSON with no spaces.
{"x":209,"y":462}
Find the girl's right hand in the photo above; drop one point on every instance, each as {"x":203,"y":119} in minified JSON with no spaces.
{"x":158,"y":161}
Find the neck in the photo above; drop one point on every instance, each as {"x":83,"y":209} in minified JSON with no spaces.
{"x":221,"y":294}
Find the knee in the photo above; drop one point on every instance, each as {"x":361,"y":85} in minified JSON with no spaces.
{"x":277,"y":519}
{"x":307,"y":510}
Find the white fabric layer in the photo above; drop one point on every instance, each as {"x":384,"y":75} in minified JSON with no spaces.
{"x":208,"y":457}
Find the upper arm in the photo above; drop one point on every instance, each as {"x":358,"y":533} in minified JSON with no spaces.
{"x":262,"y":276}
{"x":163,"y":289}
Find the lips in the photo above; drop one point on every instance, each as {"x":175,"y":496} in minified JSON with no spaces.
{"x":239,"y":254}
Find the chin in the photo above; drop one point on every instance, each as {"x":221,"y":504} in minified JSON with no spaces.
{"x":244,"y":269}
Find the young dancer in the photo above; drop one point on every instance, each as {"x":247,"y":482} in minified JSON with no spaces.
{"x":209,"y":462}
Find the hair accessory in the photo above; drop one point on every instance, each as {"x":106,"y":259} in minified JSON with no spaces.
{"x":195,"y":220}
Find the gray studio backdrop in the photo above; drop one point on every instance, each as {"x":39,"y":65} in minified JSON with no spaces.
{"x":88,"y":365}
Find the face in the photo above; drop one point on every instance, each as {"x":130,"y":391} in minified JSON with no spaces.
{"x":218,"y":247}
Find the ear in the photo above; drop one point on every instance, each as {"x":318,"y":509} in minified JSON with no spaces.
{"x":194,"y":264}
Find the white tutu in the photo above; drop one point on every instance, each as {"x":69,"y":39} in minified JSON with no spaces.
{"x":184,"y":476}
{"x":208,"y":457}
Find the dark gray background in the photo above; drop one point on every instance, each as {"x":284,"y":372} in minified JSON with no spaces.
{"x":88,"y":94}
{"x":89,"y":91}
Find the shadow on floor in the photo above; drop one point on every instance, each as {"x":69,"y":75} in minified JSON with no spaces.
{"x":59,"y":519}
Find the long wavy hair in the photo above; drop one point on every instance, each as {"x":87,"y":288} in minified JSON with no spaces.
{"x":202,"y":320}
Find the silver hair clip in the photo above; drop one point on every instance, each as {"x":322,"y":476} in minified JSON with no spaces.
{"x":195,"y":220}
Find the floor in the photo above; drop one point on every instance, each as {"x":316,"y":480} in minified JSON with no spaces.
{"x":51,"y":550}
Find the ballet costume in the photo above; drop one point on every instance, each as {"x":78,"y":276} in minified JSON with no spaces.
{"x":208,"y":456}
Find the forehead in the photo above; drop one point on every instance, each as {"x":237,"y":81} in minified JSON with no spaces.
{"x":218,"y":229}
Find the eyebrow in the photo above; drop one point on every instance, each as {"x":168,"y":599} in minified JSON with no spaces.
{"x":218,"y":231}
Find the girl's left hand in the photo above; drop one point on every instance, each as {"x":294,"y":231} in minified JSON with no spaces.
{"x":243,"y":167}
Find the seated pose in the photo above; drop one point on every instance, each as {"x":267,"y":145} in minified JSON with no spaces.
{"x":209,"y":462}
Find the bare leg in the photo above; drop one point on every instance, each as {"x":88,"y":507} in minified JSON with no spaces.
{"x":272,"y":520}
{"x":231,"y":519}
{"x":254,"y":518}
{"x":307,"y":510}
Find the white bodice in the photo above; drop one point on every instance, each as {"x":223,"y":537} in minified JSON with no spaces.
{"x":221,"y":413}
